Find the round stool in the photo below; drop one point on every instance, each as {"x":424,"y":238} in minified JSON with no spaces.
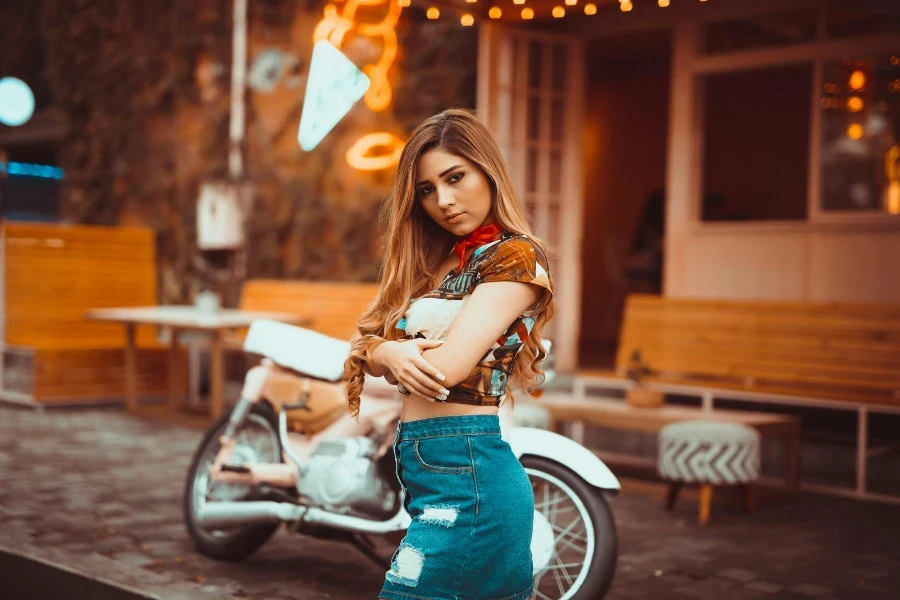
{"x":708,"y":453}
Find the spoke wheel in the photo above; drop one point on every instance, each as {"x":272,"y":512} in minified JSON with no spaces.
{"x":256,"y":441}
{"x":574,"y":544}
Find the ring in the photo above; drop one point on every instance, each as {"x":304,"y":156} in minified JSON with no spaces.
{"x":402,"y":389}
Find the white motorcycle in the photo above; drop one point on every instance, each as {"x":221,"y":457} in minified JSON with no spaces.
{"x":289,"y":453}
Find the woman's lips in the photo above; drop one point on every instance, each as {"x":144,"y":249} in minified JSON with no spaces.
{"x":454,"y":218}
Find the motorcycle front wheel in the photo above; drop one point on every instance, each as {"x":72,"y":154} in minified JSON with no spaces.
{"x":256,"y":441}
{"x":574,"y":545}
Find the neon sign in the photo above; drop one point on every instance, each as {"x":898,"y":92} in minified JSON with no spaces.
{"x":333,"y":87}
{"x":29,"y":170}
{"x":333,"y":28}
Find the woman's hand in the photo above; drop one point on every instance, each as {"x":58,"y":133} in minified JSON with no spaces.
{"x":410,"y":369}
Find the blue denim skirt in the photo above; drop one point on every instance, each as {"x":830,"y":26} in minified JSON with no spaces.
{"x":472,"y":510}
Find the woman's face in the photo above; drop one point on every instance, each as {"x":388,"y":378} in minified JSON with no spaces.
{"x":454,"y":192}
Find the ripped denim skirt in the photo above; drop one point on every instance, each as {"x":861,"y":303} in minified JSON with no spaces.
{"x":472,"y":510}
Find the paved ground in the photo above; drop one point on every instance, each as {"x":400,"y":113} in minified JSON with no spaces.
{"x":99,"y":492}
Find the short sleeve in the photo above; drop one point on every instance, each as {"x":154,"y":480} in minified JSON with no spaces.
{"x":518,"y":259}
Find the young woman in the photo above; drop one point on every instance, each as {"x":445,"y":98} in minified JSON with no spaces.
{"x":465,"y":292}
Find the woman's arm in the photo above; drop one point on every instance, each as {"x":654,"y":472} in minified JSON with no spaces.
{"x":402,"y":361}
{"x":486,"y":316}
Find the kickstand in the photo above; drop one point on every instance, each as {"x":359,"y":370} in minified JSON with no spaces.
{"x":364,"y":544}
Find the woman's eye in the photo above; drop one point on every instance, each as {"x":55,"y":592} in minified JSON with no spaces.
{"x":455,"y":177}
{"x":424,"y":191}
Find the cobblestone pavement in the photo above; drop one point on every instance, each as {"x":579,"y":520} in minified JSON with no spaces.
{"x":100,"y":492}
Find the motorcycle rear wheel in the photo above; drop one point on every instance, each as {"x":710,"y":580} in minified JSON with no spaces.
{"x":255,"y":441}
{"x":576,"y":520}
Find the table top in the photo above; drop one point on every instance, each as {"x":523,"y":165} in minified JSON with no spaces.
{"x":190,"y":317}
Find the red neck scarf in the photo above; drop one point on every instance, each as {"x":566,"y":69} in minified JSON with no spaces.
{"x":479,"y":237}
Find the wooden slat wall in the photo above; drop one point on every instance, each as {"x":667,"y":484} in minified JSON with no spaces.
{"x":52,"y":275}
{"x":849,"y":351}
{"x":334,"y":307}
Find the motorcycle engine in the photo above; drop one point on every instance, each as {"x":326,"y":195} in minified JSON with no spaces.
{"x":341,"y":476}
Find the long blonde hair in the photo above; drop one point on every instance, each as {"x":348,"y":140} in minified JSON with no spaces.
{"x":415,"y":246}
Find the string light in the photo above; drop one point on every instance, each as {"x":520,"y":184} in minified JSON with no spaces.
{"x":467,"y":20}
{"x":527,"y":14}
{"x":854,"y":104}
{"x":495,"y":13}
{"x":571,"y":2}
{"x":855,"y":131}
{"x":558,"y":12}
{"x":663,"y":3}
{"x":518,"y":1}
{"x":857,"y":80}
{"x":403,"y":3}
{"x":626,"y":6}
{"x":471,"y":1}
{"x":590,"y":9}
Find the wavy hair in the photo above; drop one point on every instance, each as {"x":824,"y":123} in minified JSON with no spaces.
{"x":415,"y":246}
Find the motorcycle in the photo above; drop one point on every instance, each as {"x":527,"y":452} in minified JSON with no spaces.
{"x":289,"y":453}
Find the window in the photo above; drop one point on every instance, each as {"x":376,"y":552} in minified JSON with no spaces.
{"x":852,"y":18}
{"x":759,"y":31}
{"x":756,"y":149}
{"x":860,"y":152}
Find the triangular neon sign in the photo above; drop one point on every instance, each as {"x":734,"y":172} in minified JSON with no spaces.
{"x":333,"y":87}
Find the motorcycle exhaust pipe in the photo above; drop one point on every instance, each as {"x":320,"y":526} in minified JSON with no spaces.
{"x":222,"y":515}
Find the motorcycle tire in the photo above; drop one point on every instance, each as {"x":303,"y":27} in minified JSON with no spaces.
{"x":605,"y":554}
{"x":237,"y":543}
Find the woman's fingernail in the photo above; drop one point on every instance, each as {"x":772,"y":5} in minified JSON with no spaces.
{"x":441,"y":377}
{"x":445,"y":392}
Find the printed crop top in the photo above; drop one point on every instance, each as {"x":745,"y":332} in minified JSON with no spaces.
{"x":511,"y":258}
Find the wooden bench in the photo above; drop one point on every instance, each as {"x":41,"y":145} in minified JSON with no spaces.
{"x":333,"y":306}
{"x":52,"y":274}
{"x":832,"y":356}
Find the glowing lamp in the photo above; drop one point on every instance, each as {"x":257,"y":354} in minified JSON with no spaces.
{"x":364,"y":154}
{"x":855,"y":131}
{"x":626,"y":6}
{"x":527,"y":14}
{"x":495,"y":13}
{"x":433,"y":13}
{"x":590,"y":9}
{"x":558,"y":12}
{"x":16,"y":102}
{"x":857,"y":80}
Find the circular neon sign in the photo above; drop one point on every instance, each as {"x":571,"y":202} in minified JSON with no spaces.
{"x":16,"y":102}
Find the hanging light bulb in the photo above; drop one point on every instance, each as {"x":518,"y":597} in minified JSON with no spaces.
{"x":558,"y":12}
{"x":433,"y":13}
{"x":518,"y":1}
{"x":626,"y":6}
{"x":467,"y":20}
{"x":590,"y":9}
{"x":495,"y":13}
{"x":662,"y":3}
{"x":571,"y":2}
{"x":527,"y":14}
{"x":855,"y":131}
{"x":471,"y":1}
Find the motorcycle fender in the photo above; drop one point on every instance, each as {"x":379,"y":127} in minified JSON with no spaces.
{"x":527,"y":441}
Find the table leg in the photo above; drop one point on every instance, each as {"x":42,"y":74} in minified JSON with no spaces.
{"x":130,"y":367}
{"x":216,"y":375}
{"x":176,"y":388}
{"x":792,"y":477}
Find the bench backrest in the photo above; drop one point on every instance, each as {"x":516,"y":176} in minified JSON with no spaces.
{"x":53,"y":273}
{"x":833,"y":351}
{"x":333,"y":307}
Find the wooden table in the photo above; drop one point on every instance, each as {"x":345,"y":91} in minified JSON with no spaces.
{"x":183,"y":319}
{"x":618,"y":414}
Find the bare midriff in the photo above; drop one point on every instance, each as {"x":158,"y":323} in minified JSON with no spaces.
{"x":415,"y":409}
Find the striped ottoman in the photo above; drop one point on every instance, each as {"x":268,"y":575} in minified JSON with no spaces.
{"x":708,"y":453}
